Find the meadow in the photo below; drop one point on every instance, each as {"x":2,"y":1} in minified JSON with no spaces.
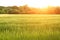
{"x":29,"y":27}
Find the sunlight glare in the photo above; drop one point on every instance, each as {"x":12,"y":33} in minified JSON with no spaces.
{"x":31,"y":3}
{"x":39,"y":3}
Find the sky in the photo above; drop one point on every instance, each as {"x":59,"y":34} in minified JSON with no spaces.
{"x":32,"y":3}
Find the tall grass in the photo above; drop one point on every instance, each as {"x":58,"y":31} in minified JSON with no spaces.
{"x":30,"y":27}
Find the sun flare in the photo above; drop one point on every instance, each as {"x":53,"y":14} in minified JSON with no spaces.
{"x":44,"y":3}
{"x":39,"y":4}
{"x":31,"y":3}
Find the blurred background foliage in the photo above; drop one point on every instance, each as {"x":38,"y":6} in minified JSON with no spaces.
{"x":25,"y":9}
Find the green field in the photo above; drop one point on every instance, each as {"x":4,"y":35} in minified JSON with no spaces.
{"x":29,"y":27}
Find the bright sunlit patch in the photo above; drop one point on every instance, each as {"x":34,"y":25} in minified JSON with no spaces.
{"x":39,"y":3}
{"x":31,"y":3}
{"x":44,"y":3}
{"x":54,"y":2}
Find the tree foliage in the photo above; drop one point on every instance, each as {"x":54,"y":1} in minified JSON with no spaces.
{"x":25,"y":9}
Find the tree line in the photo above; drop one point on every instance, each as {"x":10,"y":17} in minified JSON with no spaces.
{"x":25,"y":9}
